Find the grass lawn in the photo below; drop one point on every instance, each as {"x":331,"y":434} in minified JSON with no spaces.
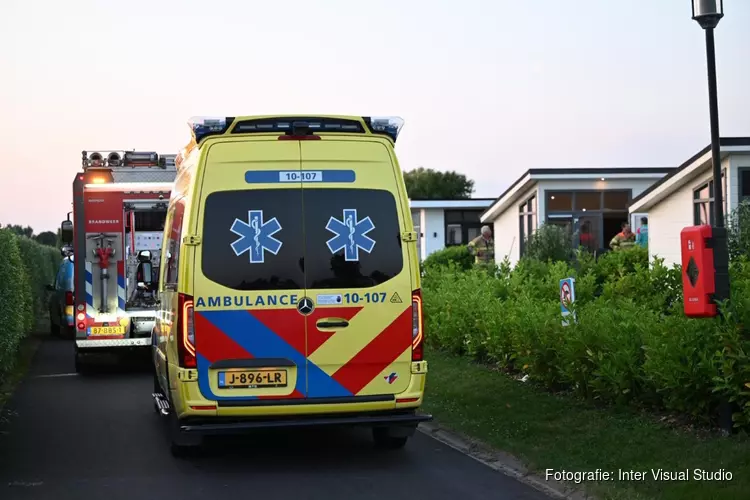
{"x":560,"y":433}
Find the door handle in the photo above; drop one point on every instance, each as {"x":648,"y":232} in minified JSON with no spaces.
{"x":332,"y":323}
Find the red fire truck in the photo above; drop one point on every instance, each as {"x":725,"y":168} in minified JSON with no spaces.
{"x":120,"y":203}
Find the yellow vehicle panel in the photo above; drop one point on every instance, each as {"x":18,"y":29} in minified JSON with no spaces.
{"x":301,"y":274}
{"x":344,"y":346}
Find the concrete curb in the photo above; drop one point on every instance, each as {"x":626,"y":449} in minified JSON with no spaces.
{"x":502,"y":462}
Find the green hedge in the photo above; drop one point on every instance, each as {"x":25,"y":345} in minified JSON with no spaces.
{"x":25,"y":268}
{"x":631,"y":342}
{"x":458,"y":255}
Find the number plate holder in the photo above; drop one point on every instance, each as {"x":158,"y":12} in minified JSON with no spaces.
{"x":252,"y":379}
{"x":106,"y":330}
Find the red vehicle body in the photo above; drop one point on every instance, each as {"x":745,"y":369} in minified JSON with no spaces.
{"x":119,"y":207}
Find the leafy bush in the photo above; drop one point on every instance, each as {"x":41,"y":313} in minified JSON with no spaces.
{"x":549,"y":242}
{"x":458,"y":255}
{"x":12,"y":297}
{"x":630,"y":343}
{"x":738,"y":231}
{"x":25,"y":269}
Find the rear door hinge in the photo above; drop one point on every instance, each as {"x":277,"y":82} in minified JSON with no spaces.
{"x":191,"y":239}
{"x":409,"y":236}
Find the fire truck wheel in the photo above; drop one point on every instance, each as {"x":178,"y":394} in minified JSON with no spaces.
{"x":82,"y":366}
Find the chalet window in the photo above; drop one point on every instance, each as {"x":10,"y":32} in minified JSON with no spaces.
{"x":527,"y":221}
{"x":703,"y":201}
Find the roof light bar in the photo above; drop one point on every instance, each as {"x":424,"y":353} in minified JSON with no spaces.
{"x":295,"y":125}
{"x":204,"y":126}
{"x":385,"y":125}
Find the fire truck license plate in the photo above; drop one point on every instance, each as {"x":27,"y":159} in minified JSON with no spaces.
{"x":107,"y":330}
{"x":251,"y":379}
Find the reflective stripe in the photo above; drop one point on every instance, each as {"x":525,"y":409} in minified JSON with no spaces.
{"x":89,"y":289}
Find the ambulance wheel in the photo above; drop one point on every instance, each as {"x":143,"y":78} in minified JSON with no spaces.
{"x":181,"y":444}
{"x":386,"y":439}
{"x":157,"y":386}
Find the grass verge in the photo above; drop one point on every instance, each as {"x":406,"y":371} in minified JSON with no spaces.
{"x":547,"y":431}
{"x":11,"y":380}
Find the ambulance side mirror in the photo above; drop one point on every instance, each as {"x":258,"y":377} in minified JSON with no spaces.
{"x":66,"y":231}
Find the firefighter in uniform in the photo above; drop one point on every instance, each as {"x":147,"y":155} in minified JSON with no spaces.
{"x":623,"y":240}
{"x":483,"y":247}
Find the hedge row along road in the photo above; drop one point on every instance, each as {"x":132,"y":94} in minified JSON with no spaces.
{"x":26,"y":267}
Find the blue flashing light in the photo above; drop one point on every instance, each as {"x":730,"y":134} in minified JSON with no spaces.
{"x":204,"y":126}
{"x":387,"y":125}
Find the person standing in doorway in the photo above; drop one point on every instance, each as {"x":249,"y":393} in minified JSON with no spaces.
{"x":623,"y":240}
{"x":483,"y":247}
{"x":586,"y":238}
{"x":641,"y":236}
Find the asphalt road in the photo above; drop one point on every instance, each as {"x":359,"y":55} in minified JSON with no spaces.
{"x":64,"y":436}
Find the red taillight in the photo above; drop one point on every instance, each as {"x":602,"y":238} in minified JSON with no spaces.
{"x":299,"y":137}
{"x":417,"y":334}
{"x":81,"y":317}
{"x":186,"y":331}
{"x":68,"y":298}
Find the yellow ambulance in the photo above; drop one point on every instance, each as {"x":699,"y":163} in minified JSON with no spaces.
{"x":290,"y":289}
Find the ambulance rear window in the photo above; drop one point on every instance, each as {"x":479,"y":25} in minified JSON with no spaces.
{"x":292,"y":238}
{"x":252,"y":239}
{"x":352,"y":236}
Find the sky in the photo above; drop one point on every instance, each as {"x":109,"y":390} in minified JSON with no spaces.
{"x":486,"y":88}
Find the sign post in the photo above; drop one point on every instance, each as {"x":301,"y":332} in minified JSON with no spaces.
{"x":567,"y":297}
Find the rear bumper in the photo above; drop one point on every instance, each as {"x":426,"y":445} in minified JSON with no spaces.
{"x":218,"y":426}
{"x":107,"y":343}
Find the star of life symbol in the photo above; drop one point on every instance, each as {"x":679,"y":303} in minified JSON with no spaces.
{"x":351,"y":235}
{"x":256,"y":236}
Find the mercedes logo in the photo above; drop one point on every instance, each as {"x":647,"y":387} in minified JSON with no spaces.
{"x":305,"y":306}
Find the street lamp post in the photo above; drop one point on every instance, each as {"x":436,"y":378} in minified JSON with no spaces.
{"x":708,"y":13}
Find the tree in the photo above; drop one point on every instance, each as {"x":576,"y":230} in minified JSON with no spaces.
{"x":20,"y":230}
{"x":46,"y":238}
{"x":429,"y":184}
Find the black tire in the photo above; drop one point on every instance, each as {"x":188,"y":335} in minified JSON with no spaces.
{"x":179,"y":451}
{"x":67,"y":332}
{"x":181,"y":445}
{"x":157,"y":386}
{"x":384,"y":439}
{"x":83,"y":367}
{"x":54,"y":329}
